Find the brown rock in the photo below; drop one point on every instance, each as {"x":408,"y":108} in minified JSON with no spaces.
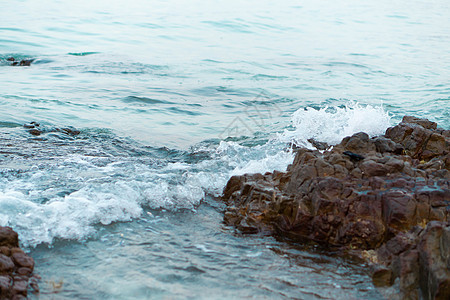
{"x":20,"y":287}
{"x":5,"y":286}
{"x":425,"y":123}
{"x":6,"y":264}
{"x":371,"y":168}
{"x":362,"y":194}
{"x":24,"y":271}
{"x":23,"y":260}
{"x":382,"y":276}
{"x":16,"y":268}
{"x":434,"y":272}
{"x":5,"y":250}
{"x":8,"y":237}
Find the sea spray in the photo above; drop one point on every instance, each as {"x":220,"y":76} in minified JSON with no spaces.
{"x":331,"y":124}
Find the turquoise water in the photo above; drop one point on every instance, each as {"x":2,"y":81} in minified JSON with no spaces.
{"x":171,"y":99}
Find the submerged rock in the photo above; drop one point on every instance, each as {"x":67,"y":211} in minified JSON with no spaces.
{"x":364,"y":194}
{"x":36,"y":129}
{"x":16,"y":267}
{"x":23,"y":62}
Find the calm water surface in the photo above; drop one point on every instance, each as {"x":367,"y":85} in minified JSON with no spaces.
{"x":174,"y":97}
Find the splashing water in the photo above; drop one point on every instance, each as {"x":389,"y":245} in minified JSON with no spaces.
{"x":332,"y":124}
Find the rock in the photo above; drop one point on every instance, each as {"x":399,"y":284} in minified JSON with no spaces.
{"x":16,"y":267}
{"x":382,"y":276}
{"x":68,"y":131}
{"x":5,"y":286}
{"x":36,"y":129}
{"x":23,"y":260}
{"x":422,"y":122}
{"x":8,"y":237}
{"x":5,"y":250}
{"x":24,"y":271}
{"x":434,"y":273}
{"x":20,"y":287}
{"x":319,"y":145}
{"x":420,"y":138}
{"x":353,"y":156}
{"x":419,"y":258}
{"x":365,"y":193}
{"x":26,"y":62}
{"x":383,"y":145}
{"x":23,"y":62}
{"x":6,"y":264}
{"x":35,"y":132}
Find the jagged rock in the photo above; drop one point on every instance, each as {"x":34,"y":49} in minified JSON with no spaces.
{"x":365,"y":193}
{"x":319,"y":145}
{"x":16,"y":267}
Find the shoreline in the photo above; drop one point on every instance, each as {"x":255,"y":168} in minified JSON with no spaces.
{"x":384,"y":199}
{"x":349,"y":199}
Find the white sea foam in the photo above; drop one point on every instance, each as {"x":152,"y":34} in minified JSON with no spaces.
{"x":72,"y":216}
{"x":74,"y":194}
{"x":278,"y":161}
{"x":332,"y":124}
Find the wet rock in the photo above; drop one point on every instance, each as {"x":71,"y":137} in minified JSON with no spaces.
{"x":422,"y":122}
{"x":420,"y":260}
{"x":23,"y":260}
{"x":319,"y":145}
{"x":68,"y":131}
{"x":31,"y":125}
{"x":23,"y":62}
{"x":8,"y":237}
{"x":26,"y":62}
{"x":5,"y":250}
{"x":6,"y":264}
{"x":5,"y":286}
{"x":16,"y":267}
{"x":363,"y":194}
{"x":353,"y":156}
{"x":20,"y":287}
{"x":383,"y":145}
{"x":434,"y":272}
{"x":35,"y":132}
{"x":382,"y":276}
{"x":36,"y":129}
{"x":420,"y":138}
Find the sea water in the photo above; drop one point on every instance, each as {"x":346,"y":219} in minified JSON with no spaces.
{"x":171,"y":99}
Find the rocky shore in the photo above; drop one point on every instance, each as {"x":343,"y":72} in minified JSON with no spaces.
{"x":16,"y":267}
{"x":385,"y":199}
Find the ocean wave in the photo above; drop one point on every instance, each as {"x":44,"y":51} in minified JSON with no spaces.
{"x":66,"y":191}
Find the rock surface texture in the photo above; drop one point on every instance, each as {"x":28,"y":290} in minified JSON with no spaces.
{"x":386,"y":198}
{"x":16,"y":268}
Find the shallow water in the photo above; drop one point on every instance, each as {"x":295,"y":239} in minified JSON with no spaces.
{"x":171,"y":100}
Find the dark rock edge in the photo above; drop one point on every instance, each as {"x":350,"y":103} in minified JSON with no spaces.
{"x":384,"y":199}
{"x":16,"y":267}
